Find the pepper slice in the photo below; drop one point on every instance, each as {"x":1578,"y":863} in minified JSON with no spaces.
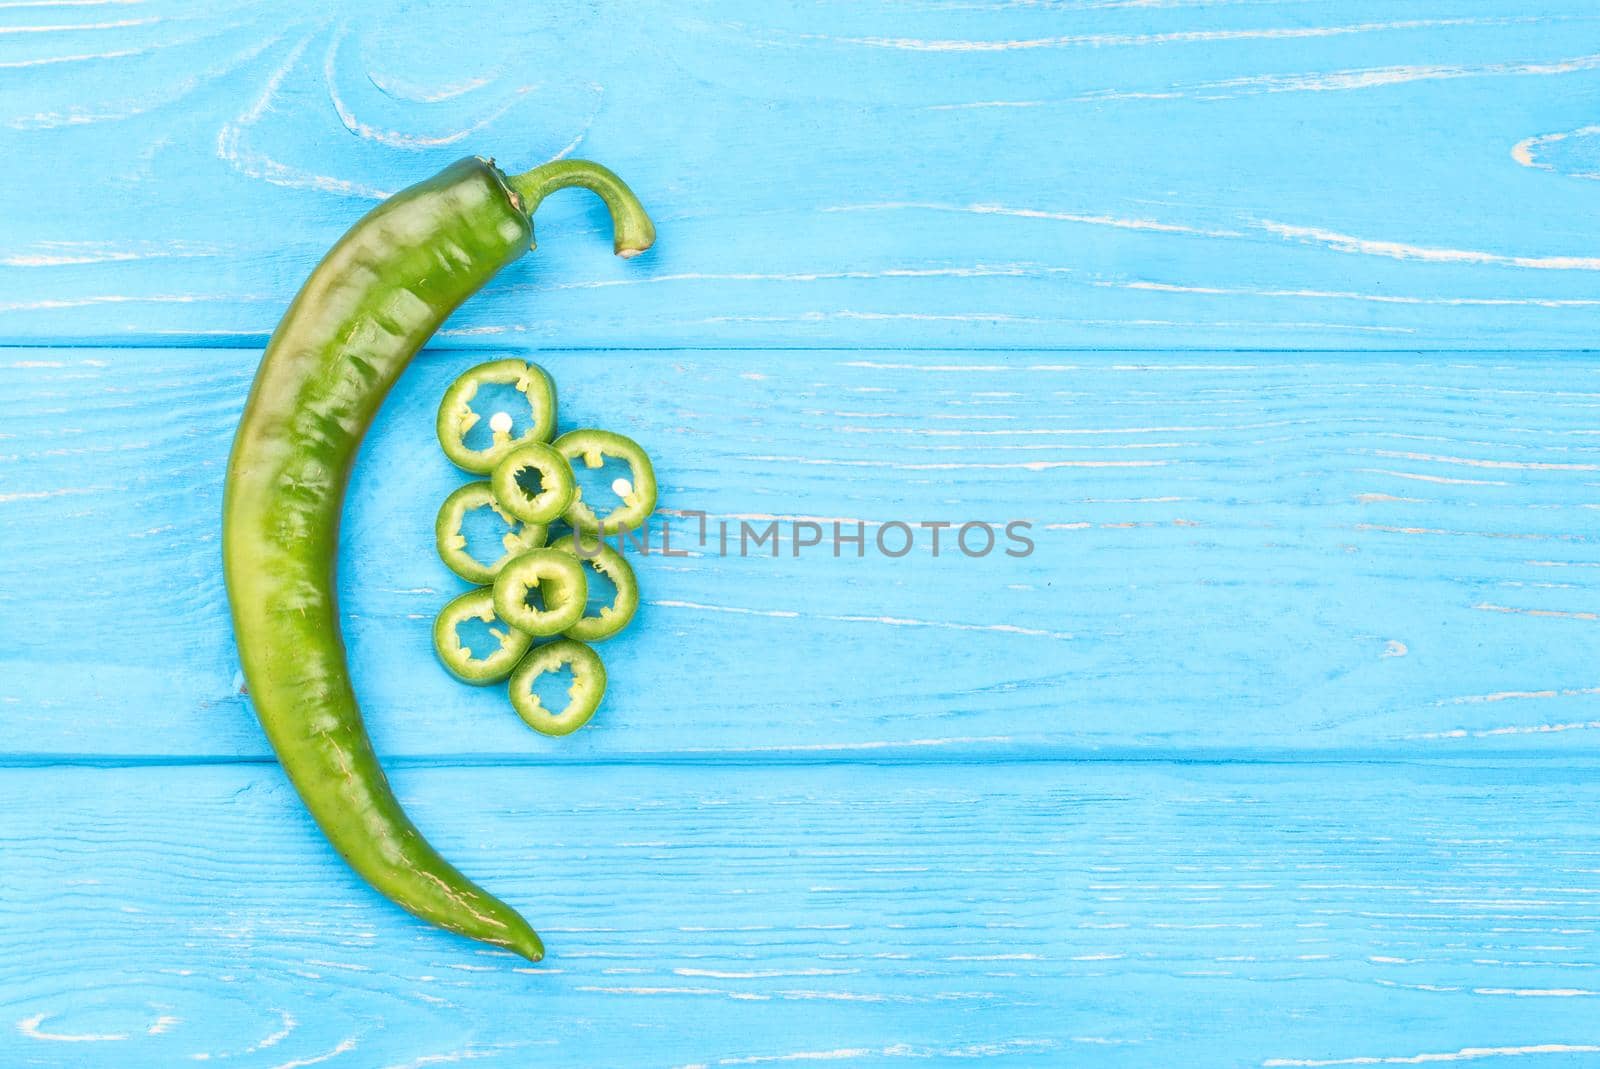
{"x":457,"y":417}
{"x":557,"y":485}
{"x":638,"y":497}
{"x":562,"y":588}
{"x":453,"y":653}
{"x":452,"y":541}
{"x":610,"y":619}
{"x":588,"y":686}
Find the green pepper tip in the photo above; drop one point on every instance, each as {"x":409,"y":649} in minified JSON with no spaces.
{"x":526,"y":943}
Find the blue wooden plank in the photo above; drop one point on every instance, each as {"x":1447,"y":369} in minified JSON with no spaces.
{"x":1235,"y":555}
{"x":1016,"y":915}
{"x":1243,"y":556}
{"x":1294,"y":175}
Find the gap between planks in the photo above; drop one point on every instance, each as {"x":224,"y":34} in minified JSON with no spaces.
{"x":889,"y":756}
{"x":259,"y":341}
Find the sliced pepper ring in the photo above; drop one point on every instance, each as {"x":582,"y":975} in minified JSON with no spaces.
{"x":557,"y":485}
{"x":588,"y":686}
{"x":610,"y":619}
{"x":454,"y":655}
{"x":562,"y":587}
{"x":457,"y":417}
{"x":451,"y":540}
{"x":639,"y":501}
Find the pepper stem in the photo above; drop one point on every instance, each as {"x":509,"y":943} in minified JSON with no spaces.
{"x":633,"y":232}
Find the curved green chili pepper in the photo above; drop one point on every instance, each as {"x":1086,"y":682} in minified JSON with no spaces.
{"x":457,"y":417}
{"x":355,"y":325}
{"x":457,"y":656}
{"x":608,"y":562}
{"x":588,"y":686}
{"x":451,"y":541}
{"x":557,"y":578}
{"x":556,"y":483}
{"x":638,"y":497}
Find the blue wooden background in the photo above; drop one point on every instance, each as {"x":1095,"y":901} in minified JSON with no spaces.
{"x":1272,"y":316}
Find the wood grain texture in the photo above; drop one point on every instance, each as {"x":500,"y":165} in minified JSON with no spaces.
{"x":1132,"y":916}
{"x":1235,"y":555}
{"x":1172,"y":174}
{"x":850,"y":812}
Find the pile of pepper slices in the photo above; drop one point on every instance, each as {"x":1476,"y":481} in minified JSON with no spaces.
{"x":538,"y":588}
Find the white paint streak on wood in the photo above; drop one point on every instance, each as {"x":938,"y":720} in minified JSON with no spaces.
{"x":838,"y":1054}
{"x":1465,"y":1054}
{"x":9,"y":5}
{"x":75,"y":253}
{"x":395,"y":138}
{"x":1347,"y":295}
{"x":323,"y":963}
{"x":81,"y":57}
{"x":865,"y":747}
{"x":1555,"y":613}
{"x":781,"y":614}
{"x":999,"y":318}
{"x":470,"y":1053}
{"x":1351,"y":79}
{"x":1526,"y":151}
{"x":1005,"y":629}
{"x":120,"y":24}
{"x":1116,"y":222}
{"x":32,"y":1028}
{"x":286,"y":1027}
{"x":1108,"y":40}
{"x":897,"y":1050}
{"x":1398,"y":250}
{"x":975,"y":271}
{"x":572,"y":146}
{"x":1441,"y":479}
{"x":761,"y":974}
{"x":1472,"y":462}
{"x":1031,"y":465}
{"x":130,"y":106}
{"x":892,"y":621}
{"x":766,"y":517}
{"x":233,"y":147}
{"x":976,"y":105}
{"x":113,"y":298}
{"x":1516,"y":695}
{"x":41,"y":495}
{"x":943,"y":432}
{"x":344,"y":1046}
{"x":399,"y":88}
{"x":717,"y":992}
{"x":1500,"y":732}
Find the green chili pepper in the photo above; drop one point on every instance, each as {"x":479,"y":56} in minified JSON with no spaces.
{"x":608,"y":562}
{"x":588,"y":686}
{"x":558,"y":580}
{"x":457,"y":417}
{"x":556,"y":483}
{"x":638,"y":497}
{"x":457,"y":656}
{"x":452,"y":541}
{"x":355,"y":325}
